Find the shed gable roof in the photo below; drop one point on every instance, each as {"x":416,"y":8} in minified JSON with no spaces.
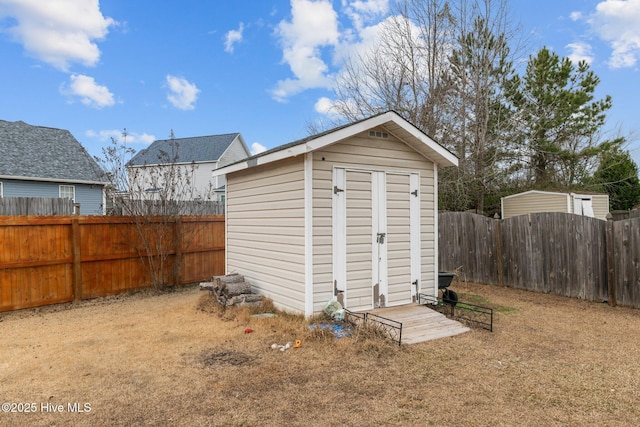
{"x":390,"y":120}
{"x":186,"y":150}
{"x":42,"y":153}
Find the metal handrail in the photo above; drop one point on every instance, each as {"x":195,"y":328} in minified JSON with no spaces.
{"x":474,"y":314}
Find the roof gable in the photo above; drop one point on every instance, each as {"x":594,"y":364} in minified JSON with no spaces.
{"x":186,"y":150}
{"x":42,"y":153}
{"x":391,"y":121}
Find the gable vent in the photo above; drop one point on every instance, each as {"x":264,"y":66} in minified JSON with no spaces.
{"x":378,"y":134}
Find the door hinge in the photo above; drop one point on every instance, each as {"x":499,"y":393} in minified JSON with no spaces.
{"x":337,"y":190}
{"x":415,"y":193}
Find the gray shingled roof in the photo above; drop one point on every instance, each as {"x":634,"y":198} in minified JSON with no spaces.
{"x":184,"y":150}
{"x":41,"y":152}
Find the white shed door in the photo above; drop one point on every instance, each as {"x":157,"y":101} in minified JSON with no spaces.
{"x":583,"y":206}
{"x":376,"y":223}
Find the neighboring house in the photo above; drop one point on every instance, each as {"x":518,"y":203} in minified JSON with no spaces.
{"x":196,"y":156}
{"x":38,"y":161}
{"x":351,"y":212}
{"x":594,"y":205}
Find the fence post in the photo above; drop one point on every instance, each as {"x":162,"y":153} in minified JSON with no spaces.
{"x":77,"y":270}
{"x":499,"y":251}
{"x":178,"y":260}
{"x":611,"y":268}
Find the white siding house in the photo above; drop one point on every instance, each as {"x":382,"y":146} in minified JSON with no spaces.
{"x":195,"y":156}
{"x":349,"y":214}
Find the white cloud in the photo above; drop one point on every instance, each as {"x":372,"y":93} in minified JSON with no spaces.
{"x":313,"y":25}
{"x":617,"y":22}
{"x":232,"y":38}
{"x":580,"y":51}
{"x":312,"y":40}
{"x":59,"y":32}
{"x":89,"y":92}
{"x":575,"y":16}
{"x":132,"y":137}
{"x":323,"y":106}
{"x":182,"y":94}
{"x":257,"y":148}
{"x":360,"y":11}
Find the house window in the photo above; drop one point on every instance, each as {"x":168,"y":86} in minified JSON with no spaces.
{"x":1,"y":190}
{"x":68,"y":192}
{"x":222,"y":197}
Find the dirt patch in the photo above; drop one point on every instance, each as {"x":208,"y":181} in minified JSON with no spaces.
{"x":217,"y":357}
{"x":151,"y":359}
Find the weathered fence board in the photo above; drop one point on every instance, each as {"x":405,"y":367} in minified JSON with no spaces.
{"x":468,"y":244}
{"x":48,"y":260}
{"x":152,"y":207}
{"x":626,"y":244}
{"x":558,"y":253}
{"x":555,"y":252}
{"x":35,"y":206}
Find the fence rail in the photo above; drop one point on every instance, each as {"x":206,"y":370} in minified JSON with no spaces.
{"x":49,"y":260}
{"x":558,"y":253}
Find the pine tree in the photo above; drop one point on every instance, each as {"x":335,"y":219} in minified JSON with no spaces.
{"x":618,"y":176}
{"x":558,"y":120}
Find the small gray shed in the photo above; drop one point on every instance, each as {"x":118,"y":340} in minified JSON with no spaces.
{"x":349,"y":213}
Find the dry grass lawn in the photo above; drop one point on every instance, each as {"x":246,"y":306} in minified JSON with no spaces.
{"x":176,"y":359}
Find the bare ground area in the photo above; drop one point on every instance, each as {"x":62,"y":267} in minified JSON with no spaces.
{"x":176,"y":359}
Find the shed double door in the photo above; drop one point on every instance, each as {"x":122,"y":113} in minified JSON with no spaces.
{"x":376,"y":250}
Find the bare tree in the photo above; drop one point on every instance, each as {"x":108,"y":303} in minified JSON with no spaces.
{"x":479,"y":66}
{"x":155,"y":196}
{"x":441,"y":64}
{"x":403,"y":71}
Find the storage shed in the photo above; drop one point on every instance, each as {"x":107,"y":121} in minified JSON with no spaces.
{"x":594,"y":205}
{"x":350,"y":213}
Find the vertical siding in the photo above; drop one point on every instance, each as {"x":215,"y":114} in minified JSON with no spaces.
{"x":534,"y":202}
{"x":265,"y":230}
{"x":376,"y":154}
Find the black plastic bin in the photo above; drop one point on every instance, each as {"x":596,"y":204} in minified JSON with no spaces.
{"x":444,"y":279}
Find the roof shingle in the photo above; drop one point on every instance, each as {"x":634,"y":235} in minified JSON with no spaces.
{"x":48,"y":153}
{"x":184,"y":150}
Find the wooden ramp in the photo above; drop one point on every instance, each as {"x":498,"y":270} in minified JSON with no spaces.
{"x":420,"y":323}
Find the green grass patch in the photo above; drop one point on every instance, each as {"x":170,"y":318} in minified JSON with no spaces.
{"x":483,"y":301}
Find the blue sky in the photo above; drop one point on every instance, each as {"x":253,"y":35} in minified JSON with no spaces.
{"x":261,"y":68}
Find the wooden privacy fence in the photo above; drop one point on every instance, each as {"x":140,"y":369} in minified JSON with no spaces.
{"x":49,"y":260}
{"x":558,"y":253}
